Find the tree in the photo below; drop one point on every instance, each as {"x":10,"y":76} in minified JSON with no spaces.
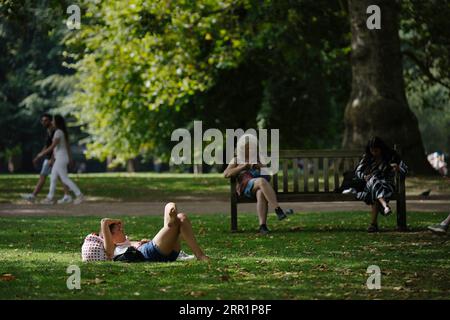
{"x":32,"y":77}
{"x":425,"y":34}
{"x":378,"y":104}
{"x":139,"y":62}
{"x":145,"y":69}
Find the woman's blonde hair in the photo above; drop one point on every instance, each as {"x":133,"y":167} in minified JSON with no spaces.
{"x":244,"y":141}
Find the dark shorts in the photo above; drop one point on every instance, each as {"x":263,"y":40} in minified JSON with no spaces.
{"x":152,"y":253}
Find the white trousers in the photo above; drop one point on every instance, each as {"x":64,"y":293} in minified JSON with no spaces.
{"x":59,"y":169}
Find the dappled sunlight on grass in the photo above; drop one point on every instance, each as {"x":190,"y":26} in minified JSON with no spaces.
{"x":326,"y":258}
{"x":124,"y":186}
{"x":164,"y":186}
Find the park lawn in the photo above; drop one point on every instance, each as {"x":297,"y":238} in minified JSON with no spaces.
{"x":125,"y":186}
{"x":166,"y":186}
{"x":307,"y":256}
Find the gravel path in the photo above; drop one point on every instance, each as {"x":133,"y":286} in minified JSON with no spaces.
{"x":198,"y":207}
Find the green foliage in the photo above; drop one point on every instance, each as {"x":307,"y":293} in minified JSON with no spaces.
{"x":295,"y":77}
{"x":32,"y":78}
{"x":144,"y":69}
{"x":311,"y":256}
{"x":432,"y":108}
{"x":11,"y":152}
{"x":425,"y":33}
{"x":141,"y":58}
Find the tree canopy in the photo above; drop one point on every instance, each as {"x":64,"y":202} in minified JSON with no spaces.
{"x":146,"y":68}
{"x":137,"y":70}
{"x":32,"y":77}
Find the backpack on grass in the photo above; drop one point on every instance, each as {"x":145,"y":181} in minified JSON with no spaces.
{"x":93,"y":249}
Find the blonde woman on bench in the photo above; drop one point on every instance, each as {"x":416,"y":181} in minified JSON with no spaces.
{"x":252,"y":184}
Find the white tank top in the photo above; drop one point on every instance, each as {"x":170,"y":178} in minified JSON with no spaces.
{"x":60,"y":151}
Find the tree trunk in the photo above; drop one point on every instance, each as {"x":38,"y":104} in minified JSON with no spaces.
{"x":378,"y":105}
{"x":131,"y":165}
{"x":198,"y":168}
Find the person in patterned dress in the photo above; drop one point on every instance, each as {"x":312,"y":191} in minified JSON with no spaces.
{"x":378,"y":168}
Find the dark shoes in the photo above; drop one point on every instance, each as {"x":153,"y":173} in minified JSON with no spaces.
{"x":280,"y":213}
{"x":263,"y":229}
{"x":373,"y":228}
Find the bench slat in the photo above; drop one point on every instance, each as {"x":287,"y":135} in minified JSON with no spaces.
{"x":285,"y":176}
{"x":336,"y":173}
{"x":312,"y":197}
{"x":325,"y":175}
{"x":305,"y":174}
{"x":295,"y":167}
{"x":316,"y":174}
{"x":275,"y":182}
{"x":320,"y":153}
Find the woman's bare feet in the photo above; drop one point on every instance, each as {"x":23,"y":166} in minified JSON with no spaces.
{"x":172,"y":215}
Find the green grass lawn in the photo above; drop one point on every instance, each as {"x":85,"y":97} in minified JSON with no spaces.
{"x":308,"y":256}
{"x":125,"y":186}
{"x":166,"y":186}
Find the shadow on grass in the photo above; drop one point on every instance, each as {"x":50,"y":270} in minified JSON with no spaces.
{"x":326,"y":258}
{"x":329,"y":230}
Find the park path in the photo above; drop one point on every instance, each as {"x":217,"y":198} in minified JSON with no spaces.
{"x":197,"y":207}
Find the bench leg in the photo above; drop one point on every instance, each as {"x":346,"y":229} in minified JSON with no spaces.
{"x":401,"y":215}
{"x":401,"y":208}
{"x":234,"y":223}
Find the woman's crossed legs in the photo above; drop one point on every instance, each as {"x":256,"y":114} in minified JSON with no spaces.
{"x":265,"y":196}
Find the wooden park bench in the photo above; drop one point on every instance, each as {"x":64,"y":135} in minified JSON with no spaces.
{"x":322,"y":165}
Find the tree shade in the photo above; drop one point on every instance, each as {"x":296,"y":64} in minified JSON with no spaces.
{"x":142,"y":69}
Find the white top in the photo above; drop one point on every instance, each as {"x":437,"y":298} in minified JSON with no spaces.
{"x":121,"y":247}
{"x":60,"y":151}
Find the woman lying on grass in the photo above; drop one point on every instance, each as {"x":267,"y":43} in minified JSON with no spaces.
{"x":113,"y":244}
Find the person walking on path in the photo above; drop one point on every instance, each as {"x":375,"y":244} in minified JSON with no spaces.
{"x":46,"y":121}
{"x":61,"y":151}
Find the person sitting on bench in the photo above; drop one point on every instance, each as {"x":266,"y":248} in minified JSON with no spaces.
{"x":377,"y":168}
{"x":165,"y":246}
{"x":252,"y":185}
